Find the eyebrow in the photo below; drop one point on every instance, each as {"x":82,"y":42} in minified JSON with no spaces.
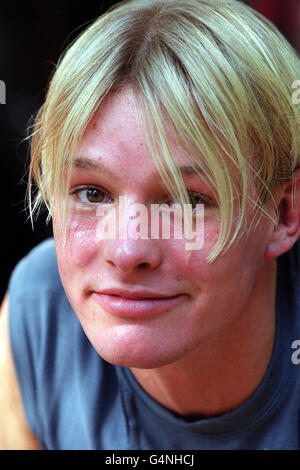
{"x":89,"y":164}
{"x":190,"y":170}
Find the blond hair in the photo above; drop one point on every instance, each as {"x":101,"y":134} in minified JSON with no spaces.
{"x":219,"y":71}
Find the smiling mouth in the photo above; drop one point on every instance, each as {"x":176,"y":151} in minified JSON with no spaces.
{"x":136,"y":305}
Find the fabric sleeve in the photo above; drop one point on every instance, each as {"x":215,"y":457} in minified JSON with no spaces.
{"x":24,"y":340}
{"x":33,"y":282}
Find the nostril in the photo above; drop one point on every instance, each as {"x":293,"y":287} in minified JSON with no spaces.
{"x":128,"y":255}
{"x":110,"y":262}
{"x":143,"y":265}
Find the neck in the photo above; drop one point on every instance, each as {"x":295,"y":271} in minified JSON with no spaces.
{"x":221,"y":375}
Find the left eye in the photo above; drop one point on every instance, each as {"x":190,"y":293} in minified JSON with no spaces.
{"x":196,"y":198}
{"x":91,"y":196}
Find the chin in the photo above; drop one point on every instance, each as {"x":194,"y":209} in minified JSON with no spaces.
{"x":141,"y":344}
{"x":141,"y":362}
{"x":140,"y":354}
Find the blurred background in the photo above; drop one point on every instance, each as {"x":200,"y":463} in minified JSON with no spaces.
{"x":33,"y":35}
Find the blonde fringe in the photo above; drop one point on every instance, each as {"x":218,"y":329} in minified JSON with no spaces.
{"x":218,"y":71}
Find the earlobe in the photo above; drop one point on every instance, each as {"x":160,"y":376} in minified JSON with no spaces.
{"x":287,"y":231}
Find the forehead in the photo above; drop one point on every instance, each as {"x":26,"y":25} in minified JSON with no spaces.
{"x":115,"y":140}
{"x":115,"y":135}
{"x":116,"y":120}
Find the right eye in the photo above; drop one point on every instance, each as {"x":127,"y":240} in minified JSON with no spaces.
{"x":91,"y":196}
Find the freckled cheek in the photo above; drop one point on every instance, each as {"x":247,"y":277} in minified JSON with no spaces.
{"x":81,"y":245}
{"x":195,"y":266}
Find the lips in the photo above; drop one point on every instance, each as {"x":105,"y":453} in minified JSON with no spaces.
{"x":126,"y":303}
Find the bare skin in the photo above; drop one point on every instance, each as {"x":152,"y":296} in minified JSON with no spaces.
{"x":15,"y":433}
{"x":216,"y":370}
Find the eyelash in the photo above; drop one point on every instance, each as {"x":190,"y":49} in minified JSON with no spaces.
{"x":205,"y":200}
{"x":77,"y":192}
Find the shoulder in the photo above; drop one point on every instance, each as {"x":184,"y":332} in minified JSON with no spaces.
{"x":37,"y":271}
{"x":41,"y":323}
{"x":38,"y":305}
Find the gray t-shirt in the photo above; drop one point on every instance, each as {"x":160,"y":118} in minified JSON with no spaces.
{"x":74,"y":399}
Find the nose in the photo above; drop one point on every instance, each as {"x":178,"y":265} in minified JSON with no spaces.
{"x":131,"y":255}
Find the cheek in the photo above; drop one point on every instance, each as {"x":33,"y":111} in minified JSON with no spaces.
{"x":81,"y":243}
{"x":236,"y":267}
{"x":192,"y":264}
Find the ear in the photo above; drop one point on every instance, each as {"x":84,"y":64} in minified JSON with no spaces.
{"x":287,"y":231}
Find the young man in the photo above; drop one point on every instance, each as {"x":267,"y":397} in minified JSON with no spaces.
{"x":126,"y":342}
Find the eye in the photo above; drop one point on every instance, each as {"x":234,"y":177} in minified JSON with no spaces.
{"x":90,"y":195}
{"x":197,"y":198}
